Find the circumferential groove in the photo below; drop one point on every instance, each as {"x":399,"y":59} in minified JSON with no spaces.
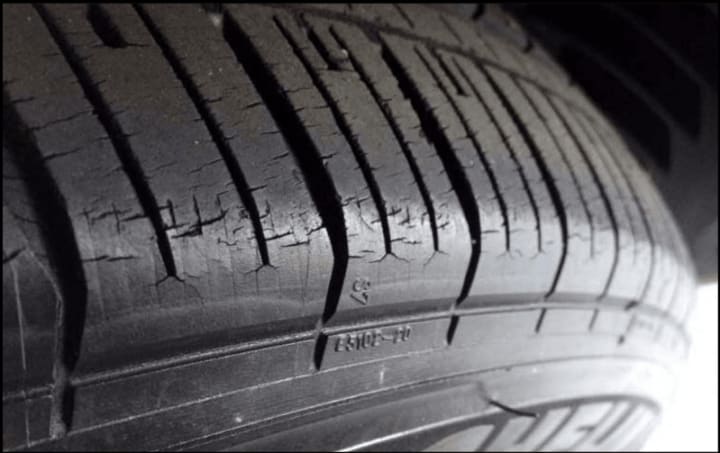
{"x":58,"y":240}
{"x":511,"y":151}
{"x":395,"y":128}
{"x":563,"y":156}
{"x":633,"y":192}
{"x":601,"y":187}
{"x":616,"y":169}
{"x":120,"y":143}
{"x":478,"y":149}
{"x":104,"y":27}
{"x":372,"y":29}
{"x":213,"y":127}
{"x":544,"y":171}
{"x":433,"y":131}
{"x":479,"y":11}
{"x":308,"y":157}
{"x":322,"y":50}
{"x":450,"y":75}
{"x":344,"y":128}
{"x":404,"y":15}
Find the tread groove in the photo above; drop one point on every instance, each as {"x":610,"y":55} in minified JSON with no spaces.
{"x":397,"y":132}
{"x":541,"y":318}
{"x":636,"y":199}
{"x":497,"y":430}
{"x":404,"y":15}
{"x":320,"y":185}
{"x":59,"y":242}
{"x":434,"y":132}
{"x":476,"y":145}
{"x":511,"y":150}
{"x":120,"y":143}
{"x":568,"y":164}
{"x":245,"y":131}
{"x":601,"y":187}
{"x":322,"y":50}
{"x":553,"y":434}
{"x":453,"y":79}
{"x":633,"y":233}
{"x":542,"y":166}
{"x":345,"y":129}
{"x":638,"y":203}
{"x":615,"y":426}
{"x":531,"y":428}
{"x":239,"y":180}
{"x":104,"y":27}
{"x":374,"y":28}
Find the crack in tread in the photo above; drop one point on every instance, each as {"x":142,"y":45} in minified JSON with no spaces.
{"x":563,"y":155}
{"x":119,"y":140}
{"x":212,"y":125}
{"x":308,"y":157}
{"x":542,"y":166}
{"x":374,"y":28}
{"x":488,"y":169}
{"x":433,"y":130}
{"x":345,"y":129}
{"x":633,"y":192}
{"x":511,"y":151}
{"x":603,"y":193}
{"x":395,"y":128}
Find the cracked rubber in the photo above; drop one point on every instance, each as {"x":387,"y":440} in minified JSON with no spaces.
{"x":183,"y":183}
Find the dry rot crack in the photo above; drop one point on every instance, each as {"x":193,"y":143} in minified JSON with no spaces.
{"x":259,"y":141}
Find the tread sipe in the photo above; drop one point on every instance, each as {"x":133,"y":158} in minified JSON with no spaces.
{"x":228,"y":227}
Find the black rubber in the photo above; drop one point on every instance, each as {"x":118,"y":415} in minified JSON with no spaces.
{"x":250,"y":226}
{"x":655,"y":76}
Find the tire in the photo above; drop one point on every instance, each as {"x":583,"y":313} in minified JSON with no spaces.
{"x":298,"y":227}
{"x":670,"y":117}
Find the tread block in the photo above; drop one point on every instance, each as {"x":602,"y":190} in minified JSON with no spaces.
{"x":564,"y":321}
{"x":494,"y":327}
{"x":285,"y":193}
{"x":611,"y":322}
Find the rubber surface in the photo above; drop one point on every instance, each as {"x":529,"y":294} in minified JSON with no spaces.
{"x":656,"y":78}
{"x":196,"y":203}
